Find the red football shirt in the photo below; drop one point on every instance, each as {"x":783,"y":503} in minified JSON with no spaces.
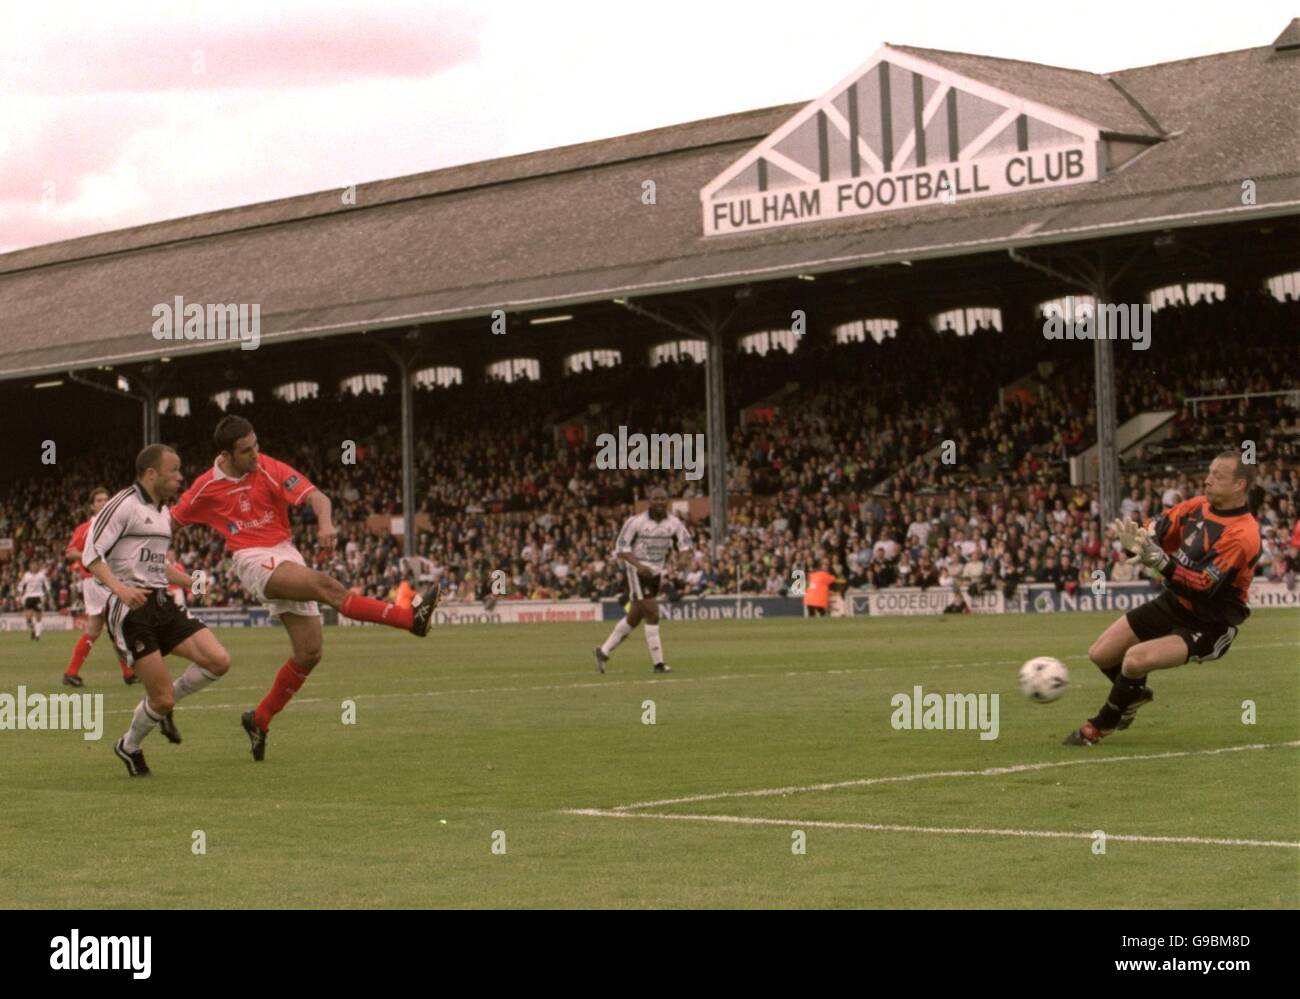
{"x":250,"y":512}
{"x":176,"y":590}
{"x":79,"y":543}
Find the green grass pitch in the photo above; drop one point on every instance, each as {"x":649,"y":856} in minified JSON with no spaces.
{"x":480,"y":730}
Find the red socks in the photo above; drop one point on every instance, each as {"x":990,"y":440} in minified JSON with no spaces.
{"x":291,"y":677}
{"x":287,"y":683}
{"x":79,"y":653}
{"x":361,"y":608}
{"x":82,"y":649}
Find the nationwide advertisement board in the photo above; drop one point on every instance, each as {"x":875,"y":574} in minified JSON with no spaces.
{"x":717,"y":609}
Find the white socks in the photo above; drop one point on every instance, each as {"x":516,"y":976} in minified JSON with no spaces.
{"x":142,"y":723}
{"x":620,"y":632}
{"x":652,"y":640}
{"x":623,"y":629}
{"x":194,"y":679}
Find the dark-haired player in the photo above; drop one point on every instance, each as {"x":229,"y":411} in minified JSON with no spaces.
{"x":1204,"y":550}
{"x":95,"y":595}
{"x":644,"y":545}
{"x":246,"y":496}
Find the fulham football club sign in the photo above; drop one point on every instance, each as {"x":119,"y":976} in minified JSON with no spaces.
{"x":900,"y":132}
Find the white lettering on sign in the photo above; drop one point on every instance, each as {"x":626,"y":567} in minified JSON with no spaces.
{"x":1006,"y":174}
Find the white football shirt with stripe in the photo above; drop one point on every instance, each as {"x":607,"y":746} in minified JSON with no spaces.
{"x":131,"y":534}
{"x":650,"y":540}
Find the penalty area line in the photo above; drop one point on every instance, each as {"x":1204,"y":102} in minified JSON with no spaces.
{"x":768,"y":792}
{"x":742,"y":820}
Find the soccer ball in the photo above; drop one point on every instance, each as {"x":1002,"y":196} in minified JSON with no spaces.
{"x":1044,"y":679}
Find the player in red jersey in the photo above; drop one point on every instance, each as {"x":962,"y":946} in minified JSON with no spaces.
{"x":94,"y":594}
{"x":1204,"y":550}
{"x":178,"y":592}
{"x":246,"y":496}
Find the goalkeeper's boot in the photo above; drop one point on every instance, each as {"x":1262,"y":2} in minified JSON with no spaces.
{"x":422,"y":610}
{"x":661,"y":668}
{"x":601,"y":660}
{"x":169,"y":729}
{"x":1086,"y":734}
{"x":1146,"y":697}
{"x":256,"y":736}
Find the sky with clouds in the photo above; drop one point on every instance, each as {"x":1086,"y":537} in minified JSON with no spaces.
{"x":120,"y":114}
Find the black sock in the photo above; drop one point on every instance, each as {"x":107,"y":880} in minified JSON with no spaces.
{"x":1123,"y":692}
{"x":1112,"y":672}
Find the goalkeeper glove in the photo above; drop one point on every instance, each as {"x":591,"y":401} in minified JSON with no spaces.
{"x":1152,"y":556}
{"x":1139,"y":543}
{"x":1129,"y":534}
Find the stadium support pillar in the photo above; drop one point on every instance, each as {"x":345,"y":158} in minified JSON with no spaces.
{"x":404,"y":358}
{"x":152,"y":420}
{"x":1108,"y":482}
{"x":152,"y":380}
{"x":408,"y":463}
{"x":1093,"y":273}
{"x":150,"y":390}
{"x":716,"y":439}
{"x":710,"y":323}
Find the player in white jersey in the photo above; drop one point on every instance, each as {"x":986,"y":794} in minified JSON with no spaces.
{"x":34,"y":587}
{"x":126,"y":550}
{"x":645,"y":546}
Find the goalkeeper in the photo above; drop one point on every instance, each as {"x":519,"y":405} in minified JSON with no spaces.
{"x":1204,"y":552}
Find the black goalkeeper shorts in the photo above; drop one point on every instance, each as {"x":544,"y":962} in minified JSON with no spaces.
{"x":1166,"y":616}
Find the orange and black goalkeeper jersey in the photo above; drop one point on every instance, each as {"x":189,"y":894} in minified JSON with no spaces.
{"x":1214,"y":556}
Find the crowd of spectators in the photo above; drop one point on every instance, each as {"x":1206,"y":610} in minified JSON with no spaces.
{"x":843,"y":461}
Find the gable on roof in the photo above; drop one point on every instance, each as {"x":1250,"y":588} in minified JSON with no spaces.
{"x":899,"y":132}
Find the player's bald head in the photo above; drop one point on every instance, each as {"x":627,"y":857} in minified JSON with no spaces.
{"x":151,"y":457}
{"x":1241,"y":470}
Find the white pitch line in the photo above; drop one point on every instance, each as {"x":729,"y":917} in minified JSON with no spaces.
{"x":890,"y":827}
{"x":768,"y":792}
{"x":469,"y":690}
{"x":215,"y":707}
{"x":675,"y":680}
{"x":589,"y":684}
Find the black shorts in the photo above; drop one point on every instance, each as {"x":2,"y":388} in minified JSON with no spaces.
{"x":159,"y":626}
{"x":1166,"y":616}
{"x":642,"y":587}
{"x":34,"y":603}
{"x":815,"y":611}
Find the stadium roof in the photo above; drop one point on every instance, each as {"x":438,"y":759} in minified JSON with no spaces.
{"x":566,"y":226}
